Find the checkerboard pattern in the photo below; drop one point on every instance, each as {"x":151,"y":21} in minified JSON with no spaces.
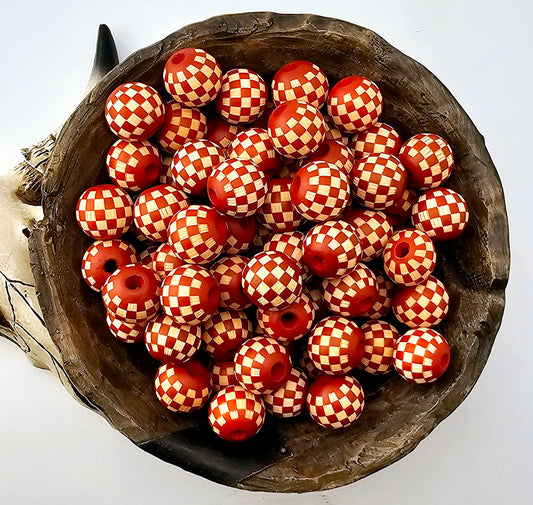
{"x":289,"y":400}
{"x":383,"y":302}
{"x":181,"y":125}
{"x":192,"y":164}
{"x":306,"y":364}
{"x":290,"y":243}
{"x":165,"y":177}
{"x":326,"y":194}
{"x":221,"y":132}
{"x":332,"y":345}
{"x":254,"y":361}
{"x":154,"y":208}
{"x":189,"y":294}
{"x":224,"y":331}
{"x":421,"y":306}
{"x":195,"y":236}
{"x":332,"y":151}
{"x":442,"y":213}
{"x":94,"y":260}
{"x":104,"y":212}
{"x":421,"y":355}
{"x":374,"y":231}
{"x":222,"y":374}
{"x":355,"y":104}
{"x":147,"y":256}
{"x":380,"y":338}
{"x":315,"y":295}
{"x":379,"y":138}
{"x":335,"y":402}
{"x":429,"y":160}
{"x":254,"y":145}
{"x":289,"y":169}
{"x":227,"y":271}
{"x":400,"y":212}
{"x":271,"y":280}
{"x":241,"y":233}
{"x":129,"y":333}
{"x":134,"y":111}
{"x":333,"y":133}
{"x":193,"y":77}
{"x":296,"y":129}
{"x":243,"y":97}
{"x":165,"y":260}
{"x":378,"y":181}
{"x":170,"y":342}
{"x":409,"y":257}
{"x":262,"y":237}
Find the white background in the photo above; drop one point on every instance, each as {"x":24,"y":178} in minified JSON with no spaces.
{"x":54,"y":451}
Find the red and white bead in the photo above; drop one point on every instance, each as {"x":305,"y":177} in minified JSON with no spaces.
{"x":262,"y":237}
{"x":255,"y":145}
{"x":129,"y":333}
{"x":400,"y":212}
{"x":333,"y":133}
{"x":224,"y":332}
{"x":227,"y":271}
{"x":314,"y":292}
{"x":165,"y":260}
{"x":333,"y":151}
{"x":222,"y":374}
{"x":379,"y":338}
{"x":290,"y":243}
{"x":289,"y":400}
{"x":379,"y":138}
{"x":221,"y":132}
{"x":147,"y":256}
{"x":383,"y":302}
{"x":241,"y":233}
{"x":306,"y":364}
{"x":165,"y":177}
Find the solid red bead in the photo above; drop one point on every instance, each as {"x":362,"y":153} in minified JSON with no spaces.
{"x":400,"y":212}
{"x":379,"y":338}
{"x":129,"y":333}
{"x":289,"y":400}
{"x":241,"y":233}
{"x":333,"y":133}
{"x":222,"y":374}
{"x":221,"y":132}
{"x":383,"y":301}
{"x":224,"y":332}
{"x":227,"y":271}
{"x":379,"y":138}
{"x":165,"y":260}
{"x":333,"y":151}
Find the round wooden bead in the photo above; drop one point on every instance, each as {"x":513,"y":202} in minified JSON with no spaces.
{"x":289,"y":400}
{"x":192,"y":76}
{"x":290,"y":243}
{"x":442,"y":213}
{"x":355,"y":103}
{"x":320,"y":191}
{"x":181,"y":125}
{"x":222,"y":374}
{"x":379,"y":138}
{"x":189,"y":294}
{"x":378,"y":181}
{"x":227,"y":271}
{"x":296,"y":129}
{"x":379,"y":337}
{"x":154,"y":208}
{"x":147,"y":256}
{"x":333,"y":151}
{"x":255,"y":145}
{"x":193,"y":163}
{"x":262,"y":237}
{"x":271,"y":280}
{"x":221,"y":132}
{"x":333,"y":133}
{"x":352,"y":294}
{"x":236,"y":414}
{"x":102,"y":258}
{"x":409,"y":257}
{"x":336,"y":345}
{"x":241,"y":233}
{"x":129,"y":333}
{"x":183,"y":388}
{"x":224,"y":332}
{"x":332,"y":249}
{"x":104,"y":212}
{"x":165,"y":260}
{"x":133,"y":164}
{"x":131,"y":293}
{"x":335,"y":401}
{"x":165,"y":177}
{"x":314,"y":292}
{"x":262,"y":365}
{"x":400,"y":212}
{"x":237,"y":187}
{"x":383,"y":302}
{"x":424,"y":305}
{"x":197,"y":233}
{"x":421,"y":355}
{"x":134,"y":111}
{"x":243,"y":97}
{"x":429,"y":160}
{"x":306,"y":364}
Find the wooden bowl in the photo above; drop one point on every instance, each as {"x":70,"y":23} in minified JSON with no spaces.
{"x":295,"y":456}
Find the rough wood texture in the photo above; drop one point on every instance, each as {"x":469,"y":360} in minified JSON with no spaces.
{"x":116,"y":379}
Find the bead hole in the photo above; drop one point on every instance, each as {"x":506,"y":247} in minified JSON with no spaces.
{"x":134,"y":282}
{"x":402,"y":250}
{"x":366,"y":303}
{"x":445,"y":360}
{"x":277,"y":371}
{"x":237,"y":435}
{"x":110,"y":266}
{"x":213,"y":296}
{"x":289,"y":320}
{"x":178,"y":58}
{"x":152,"y":171}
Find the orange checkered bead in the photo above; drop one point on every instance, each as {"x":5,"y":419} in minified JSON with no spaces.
{"x":222,"y":374}
{"x":227,"y":271}
{"x":383,"y":302}
{"x":165,"y":260}
{"x":224,"y":332}
{"x":400,"y":212}
{"x":333,"y":151}
{"x":379,"y":138}
{"x":379,"y":338}
{"x":289,"y":400}
{"x":290,"y":243}
{"x":255,"y":145}
{"x":333,"y":133}
{"x":129,"y":333}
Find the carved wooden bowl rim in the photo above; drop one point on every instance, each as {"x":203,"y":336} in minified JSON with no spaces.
{"x":116,"y":380}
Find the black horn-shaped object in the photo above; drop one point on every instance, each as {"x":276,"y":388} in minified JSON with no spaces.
{"x":105,"y":56}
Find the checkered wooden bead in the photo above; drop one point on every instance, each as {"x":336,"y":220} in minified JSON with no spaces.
{"x":400,"y":212}
{"x":383,"y":302}
{"x":170,"y":342}
{"x":134,"y":111}
{"x":255,"y":145}
{"x":131,"y":293}
{"x":133,"y":164}
{"x":378,"y":181}
{"x":289,"y":400}
{"x":221,"y":132}
{"x":224,"y":332}
{"x":181,"y":125}
{"x":332,"y":249}
{"x":333,"y":133}
{"x":146,"y":257}
{"x":421,"y":306}
{"x":129,"y":333}
{"x":421,"y":355}
{"x":262,"y":365}
{"x":192,"y":76}
{"x":409,"y":257}
{"x":296,"y":129}
{"x":243,"y":97}
{"x":154,"y":208}
{"x":236,"y":414}
{"x":429,"y":160}
{"x":241,"y":233}
{"x":104,"y":212}
{"x":335,"y":401}
{"x":379,"y":337}
{"x":379,"y":138}
{"x":102,"y":258}
{"x":197,"y":234}
{"x":300,"y":80}
{"x":262,"y":237}
{"x":336,"y":345}
{"x":192,"y":164}
{"x":314,"y":292}
{"x":355,"y":103}
{"x":320,"y":191}
{"x":165,"y":260}
{"x":165,"y":177}
{"x":271,"y":280}
{"x":227,"y":271}
{"x":333,"y":151}
{"x":237,"y":187}
{"x":352,"y":294}
{"x":306,"y":364}
{"x":290,"y":168}
{"x":222,"y":374}
{"x":184,"y":387}
{"x":442,"y":213}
